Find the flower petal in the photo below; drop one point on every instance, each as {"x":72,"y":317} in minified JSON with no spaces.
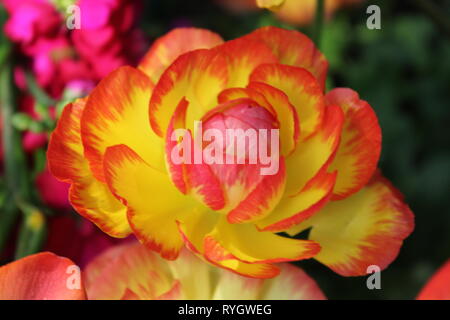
{"x":90,"y":197}
{"x":129,"y":271}
{"x":285,"y":114}
{"x":297,"y":208}
{"x":316,"y":153}
{"x":152,"y":200}
{"x":232,"y":286}
{"x":248,"y":244}
{"x":359,"y":150}
{"x":294,"y":49}
{"x":367,"y":228}
{"x":198,"y":76}
{"x":262,"y":199}
{"x":292,"y":284}
{"x":42,"y":276}
{"x":219,"y":256}
{"x":244,"y":56}
{"x":302,"y":90}
{"x":167,"y":48}
{"x":117,"y":113}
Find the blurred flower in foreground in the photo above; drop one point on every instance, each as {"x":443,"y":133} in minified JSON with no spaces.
{"x":438,"y":287}
{"x":132,"y":272}
{"x":41,"y":276}
{"x":295,"y":12}
{"x":116,"y":149}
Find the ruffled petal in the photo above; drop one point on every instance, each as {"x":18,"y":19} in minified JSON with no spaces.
{"x":198,"y":76}
{"x":302,"y":90}
{"x":359,"y":150}
{"x":117,"y":113}
{"x":90,"y":197}
{"x":244,"y":55}
{"x":293,"y":48}
{"x":152,"y":200}
{"x":167,"y":48}
{"x":292,"y":284}
{"x":130,"y":272}
{"x":316,"y":153}
{"x":367,"y":228}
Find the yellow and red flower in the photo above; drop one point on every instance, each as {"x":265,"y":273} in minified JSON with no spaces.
{"x":114,"y":148}
{"x":132,"y":272}
{"x":295,"y":12}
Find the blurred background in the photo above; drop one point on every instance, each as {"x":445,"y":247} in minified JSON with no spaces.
{"x":402,"y":70}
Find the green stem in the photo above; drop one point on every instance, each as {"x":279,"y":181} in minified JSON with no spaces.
{"x":17,"y":179}
{"x":14,"y":158}
{"x":32,"y":230}
{"x":318,"y":21}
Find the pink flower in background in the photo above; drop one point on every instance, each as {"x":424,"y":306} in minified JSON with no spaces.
{"x":53,"y":192}
{"x":106,"y":28}
{"x":56,"y":55}
{"x":79,"y":240}
{"x":30,"y":20}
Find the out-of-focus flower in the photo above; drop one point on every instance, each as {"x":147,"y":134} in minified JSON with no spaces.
{"x":116,"y":147}
{"x":438,"y":287}
{"x":108,"y":39}
{"x":104,"y":38}
{"x":53,"y":192}
{"x":295,"y":12}
{"x":132,"y":272}
{"x":30,"y":20}
{"x":78,"y":240}
{"x":42,"y":276}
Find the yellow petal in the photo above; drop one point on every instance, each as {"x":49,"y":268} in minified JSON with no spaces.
{"x":152,"y":200}
{"x":367,"y":228}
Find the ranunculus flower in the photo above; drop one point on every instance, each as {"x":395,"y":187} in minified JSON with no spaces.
{"x":132,"y":272}
{"x":116,"y":147}
{"x":295,"y":12}
{"x":438,"y":287}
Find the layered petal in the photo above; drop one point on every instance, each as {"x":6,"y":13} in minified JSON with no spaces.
{"x":167,"y":48}
{"x":246,"y":251}
{"x":42,"y":276}
{"x":131,"y":272}
{"x":262,"y":199}
{"x":367,"y":228}
{"x":285,"y":113}
{"x":90,"y":197}
{"x":294,"y":49}
{"x":359,"y":150}
{"x":244,"y":55}
{"x":294,"y":209}
{"x":302,"y":90}
{"x":316,"y":153}
{"x":151,"y":198}
{"x":117,"y":113}
{"x":198,"y":76}
{"x":292,"y":284}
